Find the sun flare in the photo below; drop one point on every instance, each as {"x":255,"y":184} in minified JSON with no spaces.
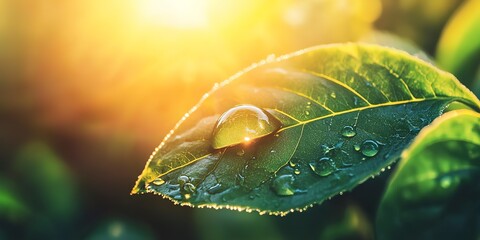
{"x":184,"y":14}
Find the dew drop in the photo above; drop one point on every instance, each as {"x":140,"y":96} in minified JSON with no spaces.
{"x":242,"y":124}
{"x":182,"y":180}
{"x":307,"y":113}
{"x":369,"y":148}
{"x":240,"y":152}
{"x":291,"y":163}
{"x":355,"y":101}
{"x":158,"y":181}
{"x":333,"y":95}
{"x":348,"y":131}
{"x":323,"y":166}
{"x":217,"y":188}
{"x":296,"y":171}
{"x":240,"y":179}
{"x":356,"y":147}
{"x":187,"y":196}
{"x":189,"y":188}
{"x":282,"y":185}
{"x":177,"y":197}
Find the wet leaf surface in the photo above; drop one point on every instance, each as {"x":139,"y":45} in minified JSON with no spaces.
{"x":346,"y":111}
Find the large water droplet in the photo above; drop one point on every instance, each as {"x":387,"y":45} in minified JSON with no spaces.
{"x":241,"y":124}
{"x":348,"y":131}
{"x":297,"y":171}
{"x":282,"y":185}
{"x":369,"y":148}
{"x":323,"y":166}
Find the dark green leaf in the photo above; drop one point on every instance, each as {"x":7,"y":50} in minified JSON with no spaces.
{"x":346,"y":111}
{"x":434,"y":193}
{"x":459,"y":48}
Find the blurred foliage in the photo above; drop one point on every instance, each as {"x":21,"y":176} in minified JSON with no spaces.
{"x":459,"y":48}
{"x":94,"y":81}
{"x":333,"y":220}
{"x":121,"y":230}
{"x":418,"y":21}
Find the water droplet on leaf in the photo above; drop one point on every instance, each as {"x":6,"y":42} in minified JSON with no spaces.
{"x":282,"y":185}
{"x":369,"y":148}
{"x":217,"y":188}
{"x":189,"y":188}
{"x":240,"y":152}
{"x":182,"y":180}
{"x":297,"y":171}
{"x":291,"y":163}
{"x":356,"y":147}
{"x":158,"y":182}
{"x":323,"y":166}
{"x":348,"y":131}
{"x":242,"y":124}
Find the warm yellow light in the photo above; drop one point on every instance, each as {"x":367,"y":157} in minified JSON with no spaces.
{"x":246,"y":139}
{"x":174,"y":13}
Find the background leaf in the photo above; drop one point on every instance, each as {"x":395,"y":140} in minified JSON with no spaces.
{"x":347,"y":112}
{"x":434,"y":192}
{"x":458,"y":50}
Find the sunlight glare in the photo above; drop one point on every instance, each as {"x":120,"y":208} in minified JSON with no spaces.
{"x":182,"y":14}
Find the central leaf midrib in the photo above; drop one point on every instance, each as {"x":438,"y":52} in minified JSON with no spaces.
{"x":363,"y":108}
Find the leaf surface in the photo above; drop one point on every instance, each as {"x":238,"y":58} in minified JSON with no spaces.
{"x":434,"y":193}
{"x":346,"y":111}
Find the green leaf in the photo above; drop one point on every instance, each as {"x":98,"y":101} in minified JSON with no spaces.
{"x":458,"y":50}
{"x":331,"y":101}
{"x":434,"y":193}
